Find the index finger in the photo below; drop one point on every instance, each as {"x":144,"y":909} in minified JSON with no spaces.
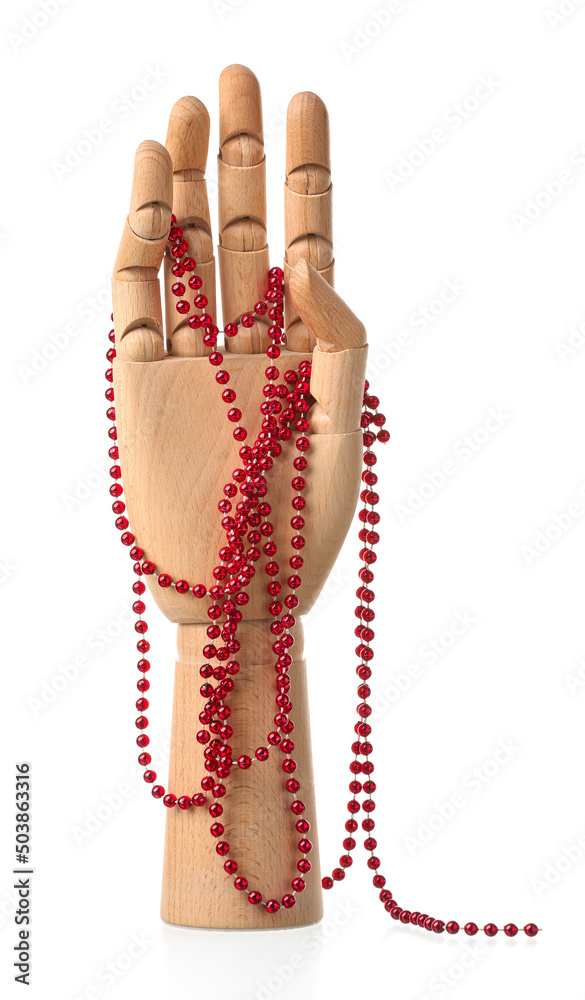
{"x":308,"y":228}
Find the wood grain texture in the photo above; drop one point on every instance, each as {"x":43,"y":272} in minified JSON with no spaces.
{"x":259,"y":825}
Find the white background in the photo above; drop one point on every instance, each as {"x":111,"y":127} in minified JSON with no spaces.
{"x":509,"y":850}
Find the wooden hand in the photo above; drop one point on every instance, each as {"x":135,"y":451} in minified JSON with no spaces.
{"x":177,"y":452}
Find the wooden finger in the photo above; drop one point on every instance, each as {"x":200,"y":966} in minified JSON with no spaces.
{"x":308,"y":229}
{"x":187,"y":142}
{"x":243,"y":251}
{"x":340,"y":354}
{"x":135,"y":284}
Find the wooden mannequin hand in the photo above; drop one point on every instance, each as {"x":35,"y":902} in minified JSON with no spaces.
{"x":176,"y":445}
{"x":177,"y":451}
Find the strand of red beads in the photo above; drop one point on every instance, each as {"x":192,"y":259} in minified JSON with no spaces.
{"x":284,"y":410}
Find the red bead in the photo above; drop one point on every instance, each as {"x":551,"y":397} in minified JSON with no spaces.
{"x":452,"y":927}
{"x":327,"y":882}
{"x":471,"y":928}
{"x":298,"y":884}
{"x":247,"y":320}
{"x":273,"y":905}
{"x":510,"y":930}
{"x":170,"y":801}
{"x":149,"y":776}
{"x":244,"y":762}
{"x":230,"y":866}
{"x":531,"y":930}
{"x":438,"y":926}
{"x":490,"y":930}
{"x":254,"y":897}
{"x":241,"y":883}
{"x":158,"y":791}
{"x":288,"y":900}
{"x":185,"y":802}
{"x":164,"y":580}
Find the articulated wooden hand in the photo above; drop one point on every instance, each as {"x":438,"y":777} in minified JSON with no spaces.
{"x":177,"y":452}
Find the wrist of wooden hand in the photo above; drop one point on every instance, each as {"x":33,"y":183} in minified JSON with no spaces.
{"x":255,"y":640}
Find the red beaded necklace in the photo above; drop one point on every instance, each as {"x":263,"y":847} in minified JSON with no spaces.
{"x":284,"y":410}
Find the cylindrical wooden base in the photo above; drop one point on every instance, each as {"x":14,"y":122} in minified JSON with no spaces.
{"x":259,"y":824}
